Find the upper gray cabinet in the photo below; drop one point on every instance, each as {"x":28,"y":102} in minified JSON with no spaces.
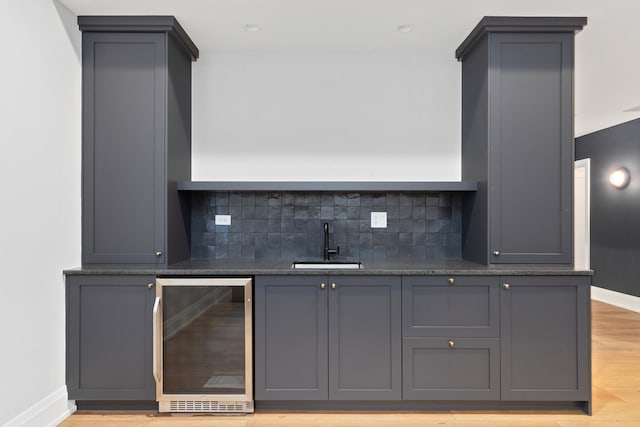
{"x":136,"y":138}
{"x":517,"y":139}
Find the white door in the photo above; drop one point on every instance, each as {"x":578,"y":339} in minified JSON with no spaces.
{"x":582,"y":219}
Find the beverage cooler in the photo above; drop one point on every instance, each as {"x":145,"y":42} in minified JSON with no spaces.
{"x":202,"y":359}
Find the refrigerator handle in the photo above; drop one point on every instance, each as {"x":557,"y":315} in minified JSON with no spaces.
{"x":157,"y":342}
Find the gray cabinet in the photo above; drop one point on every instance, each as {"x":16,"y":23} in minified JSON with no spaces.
{"x":517,"y":139}
{"x":136,"y":138}
{"x":109,"y":337}
{"x":451,"y":368}
{"x":450,"y":306}
{"x":320,"y":337}
{"x":291,"y":338}
{"x":461,"y":358}
{"x":545,"y":338}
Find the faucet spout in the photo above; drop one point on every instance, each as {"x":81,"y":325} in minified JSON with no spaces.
{"x":327,"y":252}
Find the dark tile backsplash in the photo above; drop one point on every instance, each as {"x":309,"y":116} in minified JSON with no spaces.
{"x":289,"y":225}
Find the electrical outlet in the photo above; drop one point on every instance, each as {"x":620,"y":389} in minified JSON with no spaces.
{"x":223,"y":219}
{"x":378,"y":220}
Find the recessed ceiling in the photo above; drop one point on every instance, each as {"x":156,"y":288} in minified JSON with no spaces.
{"x":326,"y":24}
{"x":606,"y":59}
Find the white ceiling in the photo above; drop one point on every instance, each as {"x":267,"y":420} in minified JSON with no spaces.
{"x":606,"y":50}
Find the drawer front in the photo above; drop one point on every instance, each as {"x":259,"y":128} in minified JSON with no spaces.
{"x":451,"y":368}
{"x":459,"y":306}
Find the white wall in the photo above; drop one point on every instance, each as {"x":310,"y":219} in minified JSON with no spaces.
{"x":269,"y":115}
{"x":606,"y":68}
{"x":40,"y":214}
{"x":326,"y":116}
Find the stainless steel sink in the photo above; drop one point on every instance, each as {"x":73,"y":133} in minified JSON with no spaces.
{"x":324,"y":265}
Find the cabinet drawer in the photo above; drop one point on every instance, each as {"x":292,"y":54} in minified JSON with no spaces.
{"x":451,"y":368}
{"x":457,"y":306}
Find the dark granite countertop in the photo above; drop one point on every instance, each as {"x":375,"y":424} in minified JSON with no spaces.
{"x":204,"y":267}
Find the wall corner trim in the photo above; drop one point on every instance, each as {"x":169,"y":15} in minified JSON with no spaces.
{"x":626,"y":301}
{"x":49,"y":411}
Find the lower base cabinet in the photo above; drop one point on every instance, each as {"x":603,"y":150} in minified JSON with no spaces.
{"x":545,"y":338}
{"x":359,"y":338}
{"x":109,"y":337}
{"x":462,"y":338}
{"x":320,"y":338}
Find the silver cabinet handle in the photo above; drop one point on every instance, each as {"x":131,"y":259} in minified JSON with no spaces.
{"x":452,"y":344}
{"x":150,"y":285}
{"x":506,"y":286}
{"x":333,"y":286}
{"x":322,"y":286}
{"x":451,"y":280}
{"x":158,"y":253}
{"x":496,"y":253}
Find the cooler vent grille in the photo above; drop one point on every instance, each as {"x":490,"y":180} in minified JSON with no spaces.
{"x":209,"y":406}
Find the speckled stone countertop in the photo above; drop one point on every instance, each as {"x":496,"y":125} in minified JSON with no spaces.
{"x":204,"y":267}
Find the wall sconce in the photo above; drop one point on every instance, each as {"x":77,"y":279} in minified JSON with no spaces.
{"x":620,"y":178}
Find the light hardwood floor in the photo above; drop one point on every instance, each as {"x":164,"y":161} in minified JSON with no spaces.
{"x":616,"y":396}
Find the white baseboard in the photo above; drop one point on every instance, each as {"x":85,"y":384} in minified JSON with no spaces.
{"x":618,"y":299}
{"x":50,"y":411}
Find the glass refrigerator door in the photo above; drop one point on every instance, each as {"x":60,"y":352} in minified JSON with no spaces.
{"x":204,"y":349}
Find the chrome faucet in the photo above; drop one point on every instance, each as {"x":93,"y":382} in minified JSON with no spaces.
{"x":327,"y":251}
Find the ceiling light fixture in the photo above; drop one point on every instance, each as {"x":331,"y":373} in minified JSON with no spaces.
{"x":620,"y":178}
{"x":252,"y":28}
{"x":405,"y":28}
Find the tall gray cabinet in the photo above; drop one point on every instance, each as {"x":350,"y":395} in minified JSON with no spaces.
{"x":136,"y":138}
{"x":517,"y":139}
{"x":136,"y":145}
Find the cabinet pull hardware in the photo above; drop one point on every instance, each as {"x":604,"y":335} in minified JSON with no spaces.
{"x":333,"y":286}
{"x":158,"y":253}
{"x":496,"y":253}
{"x":322,"y":286}
{"x":150,"y":285}
{"x":452,"y":344}
{"x":506,"y":286}
{"x":451,"y":280}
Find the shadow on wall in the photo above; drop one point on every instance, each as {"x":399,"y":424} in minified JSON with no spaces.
{"x":70,"y":23}
{"x":615,"y":212}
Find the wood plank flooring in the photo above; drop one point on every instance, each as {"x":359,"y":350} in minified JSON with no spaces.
{"x":616,"y":396}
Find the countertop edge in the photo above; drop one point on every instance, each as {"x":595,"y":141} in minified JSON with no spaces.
{"x":279,"y":271}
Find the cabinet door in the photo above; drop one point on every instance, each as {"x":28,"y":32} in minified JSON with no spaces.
{"x":545,"y":338}
{"x":451,"y":368}
{"x":123,"y":137}
{"x":291,"y":338}
{"x":531,"y":148}
{"x":450,"y":306}
{"x":109,"y":337}
{"x":365,"y":338}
